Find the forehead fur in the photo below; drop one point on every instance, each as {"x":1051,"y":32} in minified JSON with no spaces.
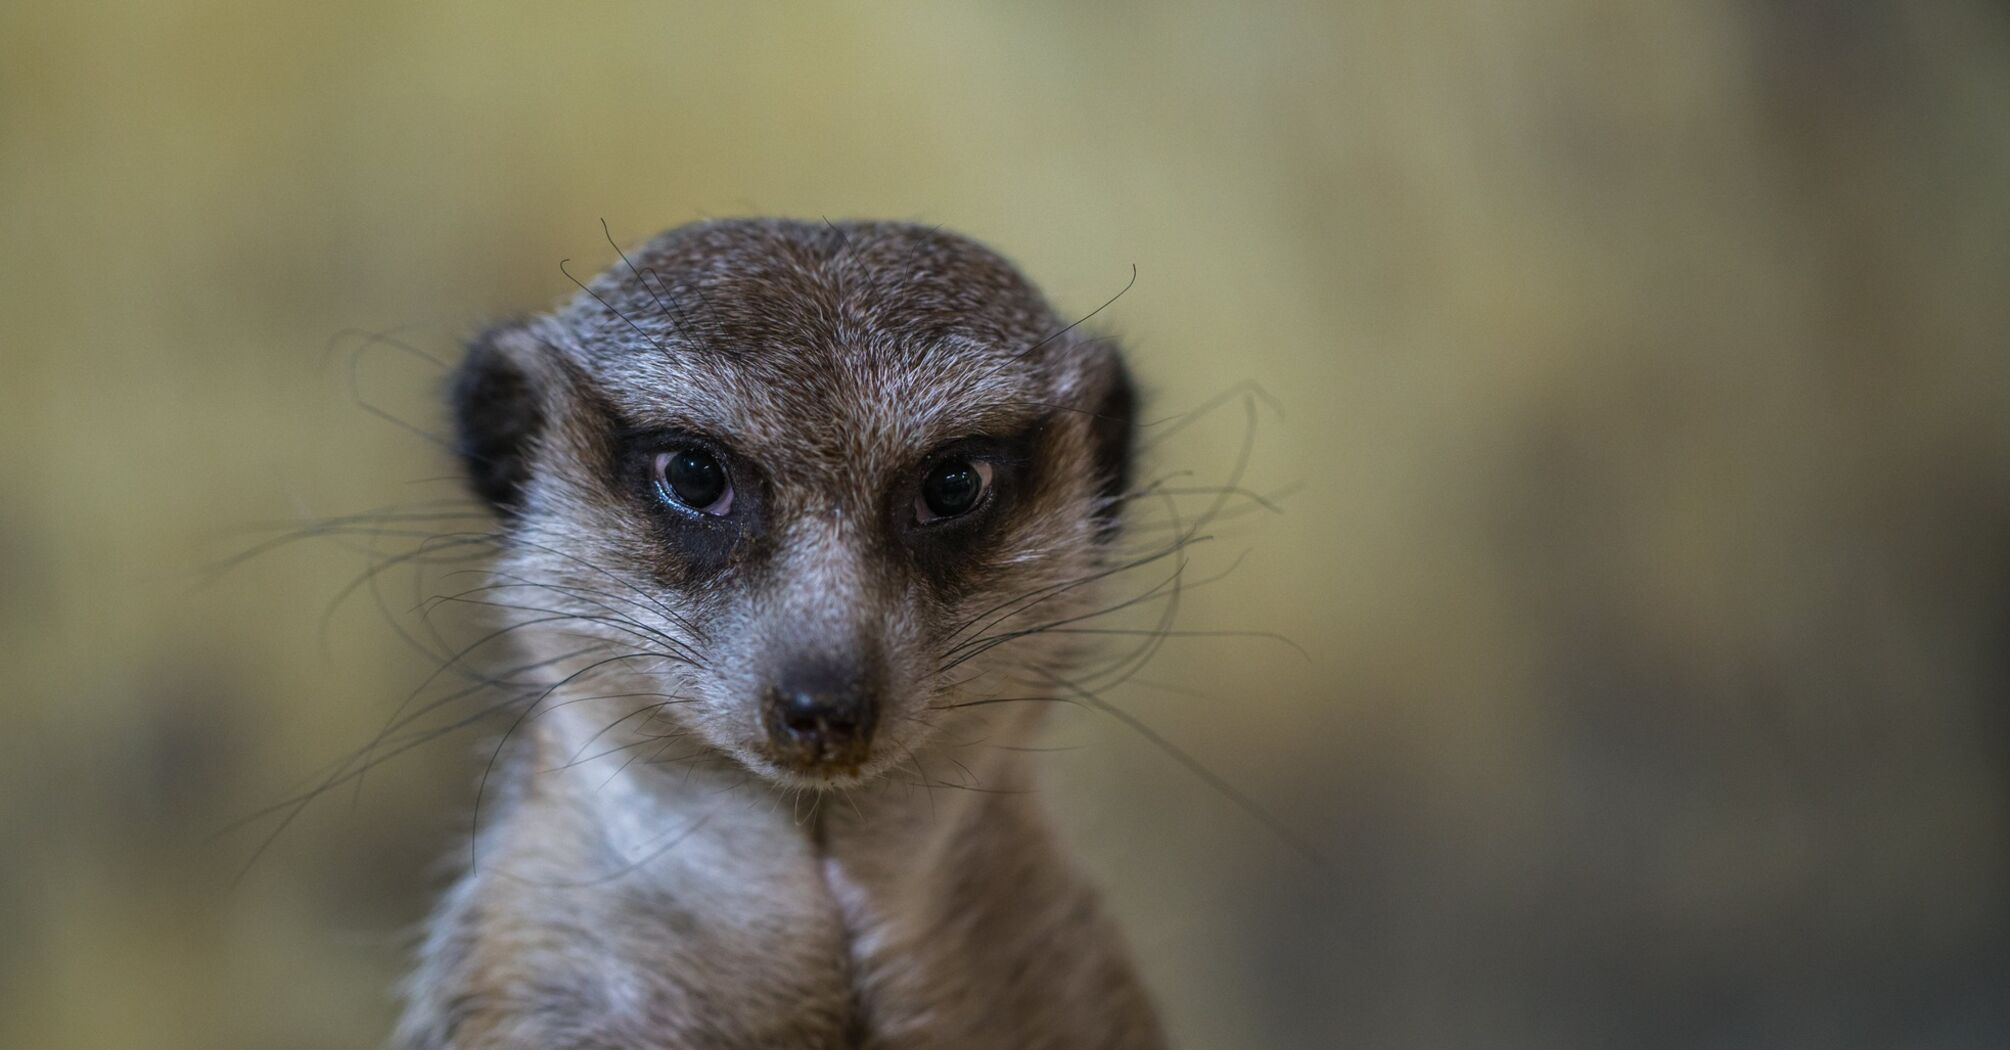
{"x":764,"y":329}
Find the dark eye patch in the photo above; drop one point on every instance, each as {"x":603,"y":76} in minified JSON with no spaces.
{"x":695,"y":543}
{"x":951,"y":551}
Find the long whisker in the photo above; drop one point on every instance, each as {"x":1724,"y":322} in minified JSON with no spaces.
{"x":481,"y":785}
{"x":1242,"y":800}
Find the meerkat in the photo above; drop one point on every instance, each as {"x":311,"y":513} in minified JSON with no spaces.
{"x":787,"y":510}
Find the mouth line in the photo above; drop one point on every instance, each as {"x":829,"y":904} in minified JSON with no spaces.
{"x":814,"y":770}
{"x":821,"y":779}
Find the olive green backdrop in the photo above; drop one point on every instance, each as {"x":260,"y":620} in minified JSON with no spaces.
{"x":1641,"y":382}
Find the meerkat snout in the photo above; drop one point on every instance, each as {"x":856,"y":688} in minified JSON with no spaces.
{"x":821,"y":714}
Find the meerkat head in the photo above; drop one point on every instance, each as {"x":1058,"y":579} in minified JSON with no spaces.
{"x":816,"y":484}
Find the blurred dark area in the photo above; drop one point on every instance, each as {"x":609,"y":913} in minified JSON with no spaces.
{"x":1643,"y":403}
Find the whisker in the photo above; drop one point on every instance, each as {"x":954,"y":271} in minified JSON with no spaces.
{"x":1243,"y":801}
{"x":481,"y":785}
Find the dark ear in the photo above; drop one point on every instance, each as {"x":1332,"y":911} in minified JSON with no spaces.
{"x":497,"y":415}
{"x":1113,"y":433}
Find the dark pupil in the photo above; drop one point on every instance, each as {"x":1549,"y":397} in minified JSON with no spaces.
{"x":696,"y":478}
{"x":951,"y":488}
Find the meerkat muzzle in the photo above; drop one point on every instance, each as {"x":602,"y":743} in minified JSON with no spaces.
{"x":821,"y":716}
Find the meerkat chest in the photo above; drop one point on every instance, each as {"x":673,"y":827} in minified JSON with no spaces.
{"x":716,"y":930}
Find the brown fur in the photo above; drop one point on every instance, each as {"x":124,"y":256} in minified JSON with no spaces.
{"x":652,"y":872}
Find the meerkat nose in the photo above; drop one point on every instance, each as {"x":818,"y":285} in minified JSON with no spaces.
{"x":821,"y":714}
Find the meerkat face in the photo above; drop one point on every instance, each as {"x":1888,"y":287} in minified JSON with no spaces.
{"x":815,"y":486}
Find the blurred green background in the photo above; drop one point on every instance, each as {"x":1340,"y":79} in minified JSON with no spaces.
{"x":1644,"y":379}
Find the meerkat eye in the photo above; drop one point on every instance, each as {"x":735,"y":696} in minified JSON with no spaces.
{"x":695,"y":479}
{"x":951,"y":487}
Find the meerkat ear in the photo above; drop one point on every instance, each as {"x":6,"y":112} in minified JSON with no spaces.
{"x":1113,"y":431}
{"x":497,"y":415}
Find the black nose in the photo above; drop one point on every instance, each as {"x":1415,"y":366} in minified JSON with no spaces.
{"x":821,"y":715}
